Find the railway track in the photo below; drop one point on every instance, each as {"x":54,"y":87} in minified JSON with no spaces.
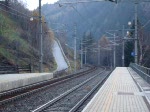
{"x":9,"y":96}
{"x":12,"y":95}
{"x":73,"y":99}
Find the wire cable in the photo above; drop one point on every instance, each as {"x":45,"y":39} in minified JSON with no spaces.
{"x":12,"y":13}
{"x":14,"y":10}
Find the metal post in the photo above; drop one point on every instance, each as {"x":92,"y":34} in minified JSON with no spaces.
{"x":111,"y":60}
{"x":114,"y":51}
{"x":123,"y":47}
{"x":75,"y":49}
{"x":41,"y":40}
{"x":98,"y":55}
{"x":81,"y":55}
{"x":85,"y":55}
{"x":17,"y":53}
{"x":136,"y":32}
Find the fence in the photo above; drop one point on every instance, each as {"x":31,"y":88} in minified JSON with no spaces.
{"x":15,"y":69}
{"x":144,"y":72}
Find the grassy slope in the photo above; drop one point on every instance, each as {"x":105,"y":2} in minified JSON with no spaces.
{"x":11,"y":41}
{"x":10,"y":37}
{"x":70,"y":56}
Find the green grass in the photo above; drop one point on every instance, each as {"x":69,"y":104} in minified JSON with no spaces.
{"x":10,"y":32}
{"x":53,"y":66}
{"x":6,"y":53}
{"x":11,"y":41}
{"x":70,"y":56}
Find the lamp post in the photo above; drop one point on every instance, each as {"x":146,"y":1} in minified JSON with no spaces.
{"x":114,"y":53}
{"x":123,"y":45}
{"x":98,"y":54}
{"x":81,"y":55}
{"x":41,"y":40}
{"x":136,"y":33}
{"x":75,"y":48}
{"x":85,"y":56}
{"x":136,"y":36}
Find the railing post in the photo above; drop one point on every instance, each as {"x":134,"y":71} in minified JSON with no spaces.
{"x":17,"y":68}
{"x":30,"y":68}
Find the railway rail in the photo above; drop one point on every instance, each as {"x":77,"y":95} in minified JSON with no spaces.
{"x":73,"y":99}
{"x":40,"y":96}
{"x":14,"y":94}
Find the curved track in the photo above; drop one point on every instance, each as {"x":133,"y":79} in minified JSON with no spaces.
{"x":38,"y":96}
{"x":72,"y":99}
{"x":11,"y":95}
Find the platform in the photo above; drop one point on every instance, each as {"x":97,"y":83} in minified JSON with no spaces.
{"x":122,"y":92}
{"x":11,"y":81}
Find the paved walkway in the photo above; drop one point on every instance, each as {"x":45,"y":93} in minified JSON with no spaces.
{"x":119,"y":93}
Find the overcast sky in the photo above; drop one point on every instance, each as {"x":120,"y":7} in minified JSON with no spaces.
{"x":33,"y":4}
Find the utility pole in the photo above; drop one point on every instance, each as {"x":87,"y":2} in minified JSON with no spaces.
{"x":136,"y":33}
{"x":85,"y":56}
{"x":75,"y":48}
{"x":114,"y":51}
{"x":41,"y":40}
{"x":81,"y":54}
{"x":123,"y":45}
{"x":98,"y":54}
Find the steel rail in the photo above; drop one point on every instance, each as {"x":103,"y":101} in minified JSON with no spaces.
{"x":51,"y":102}
{"x":53,"y":82}
{"x":38,"y":83}
{"x":80,"y":103}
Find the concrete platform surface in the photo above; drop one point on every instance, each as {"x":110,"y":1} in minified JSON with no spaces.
{"x":120,"y":93}
{"x":11,"y":81}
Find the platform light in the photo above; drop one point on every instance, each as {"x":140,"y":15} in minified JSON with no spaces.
{"x":128,"y":33}
{"x":129,"y":23}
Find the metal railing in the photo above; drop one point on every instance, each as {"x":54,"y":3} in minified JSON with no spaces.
{"x":144,"y":72}
{"x":15,"y":69}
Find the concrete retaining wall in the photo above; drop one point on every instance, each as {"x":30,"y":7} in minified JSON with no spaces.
{"x":19,"y":80}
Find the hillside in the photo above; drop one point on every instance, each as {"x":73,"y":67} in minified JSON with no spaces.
{"x":19,"y":38}
{"x":96,"y":18}
{"x":92,"y":17}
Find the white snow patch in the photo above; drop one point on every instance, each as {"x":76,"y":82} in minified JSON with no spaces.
{"x":59,"y":58}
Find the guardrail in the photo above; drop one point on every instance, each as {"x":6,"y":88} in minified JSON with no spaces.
{"x":144,"y":72}
{"x":8,"y":69}
{"x":25,"y":68}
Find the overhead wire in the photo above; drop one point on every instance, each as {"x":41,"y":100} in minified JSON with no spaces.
{"x":13,"y":13}
{"x":79,"y":14}
{"x":21,"y":14}
{"x":87,"y":12}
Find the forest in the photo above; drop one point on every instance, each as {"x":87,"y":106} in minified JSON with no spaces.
{"x":99,"y":18}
